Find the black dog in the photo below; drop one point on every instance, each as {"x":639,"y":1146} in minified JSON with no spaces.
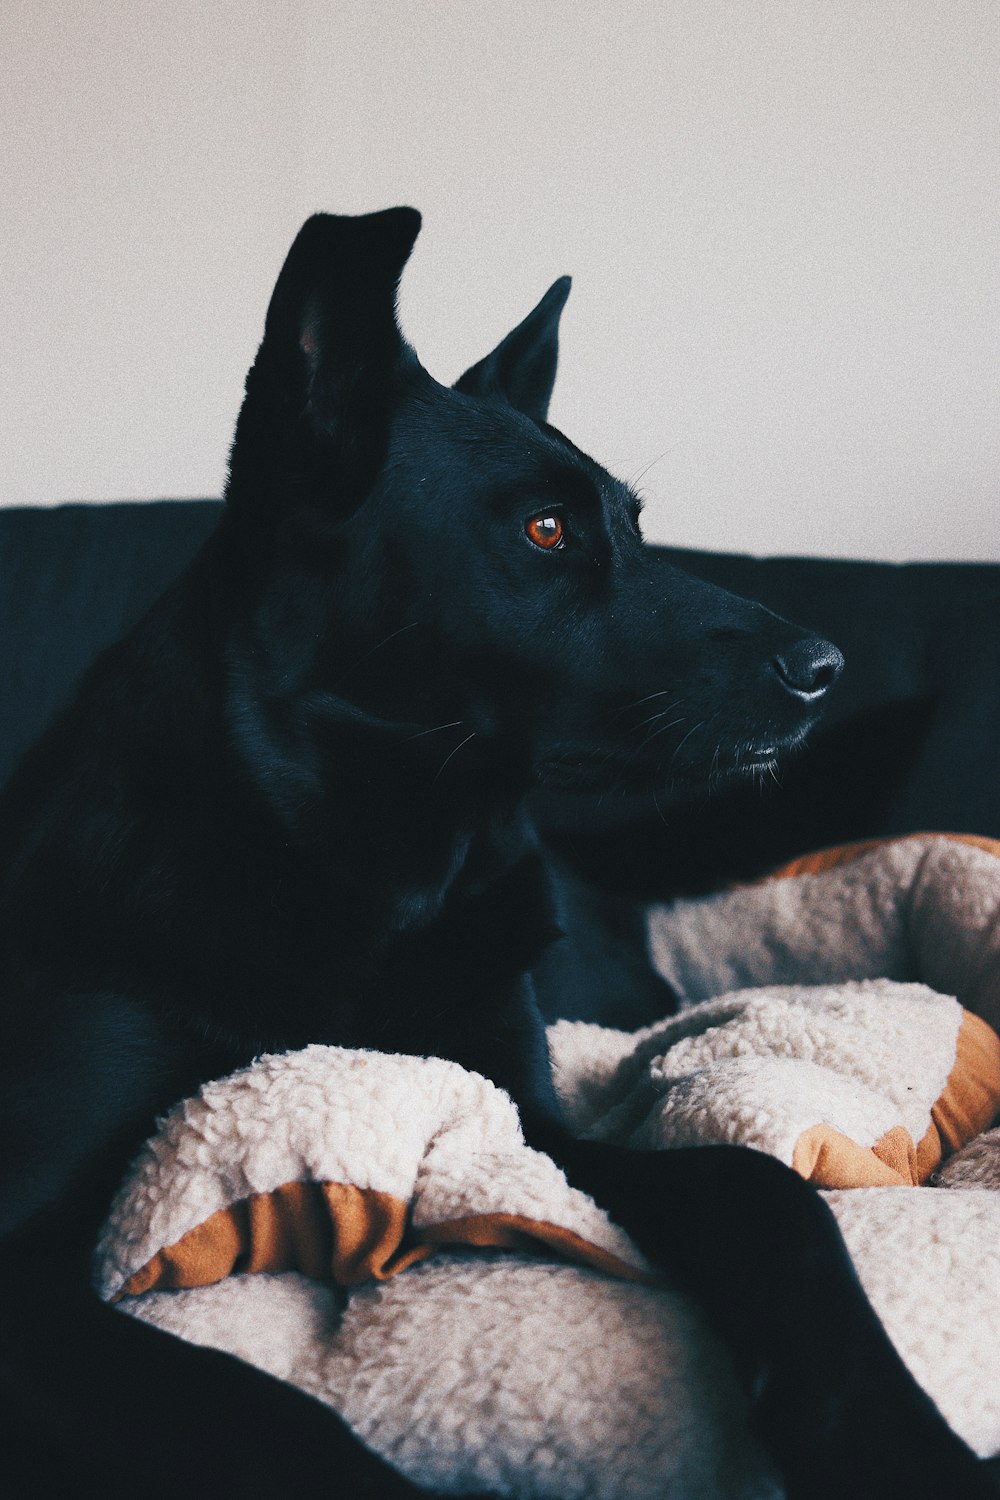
{"x":290,"y":808}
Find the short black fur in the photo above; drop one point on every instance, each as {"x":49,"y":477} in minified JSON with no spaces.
{"x":291,"y":807}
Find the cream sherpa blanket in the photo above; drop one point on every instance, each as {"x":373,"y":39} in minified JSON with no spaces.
{"x":539,"y":1374}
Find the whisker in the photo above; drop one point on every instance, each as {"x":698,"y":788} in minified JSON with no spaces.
{"x":672,"y":724}
{"x":652,"y":464}
{"x":419,"y":736}
{"x":648,"y":699}
{"x":360,"y":660}
{"x":658,"y":715}
{"x":700,"y":725}
{"x":454,"y":752}
{"x":390,"y":637}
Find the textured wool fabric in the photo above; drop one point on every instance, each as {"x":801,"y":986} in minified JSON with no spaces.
{"x":534,"y":1377}
{"x":925,"y":908}
{"x":858,"y":1084}
{"x":490,"y":1372}
{"x":443,"y":1143}
{"x":478,"y":1370}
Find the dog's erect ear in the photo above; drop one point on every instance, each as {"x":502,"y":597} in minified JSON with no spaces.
{"x":335,"y":299}
{"x":521,"y":371}
{"x":328,"y":368}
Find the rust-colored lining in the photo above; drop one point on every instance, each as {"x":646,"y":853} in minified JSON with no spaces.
{"x":333,"y":1231}
{"x":327,"y":1230}
{"x":821,"y":860}
{"x":968,"y":1104}
{"x":970,"y":1100}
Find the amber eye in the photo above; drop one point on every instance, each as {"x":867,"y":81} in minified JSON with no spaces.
{"x":546,"y":532}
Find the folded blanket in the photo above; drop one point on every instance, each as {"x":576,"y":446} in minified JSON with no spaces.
{"x":531,"y":1375}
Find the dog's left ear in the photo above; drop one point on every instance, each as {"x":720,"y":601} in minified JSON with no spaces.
{"x":334,"y":306}
{"x":320,"y":396}
{"x":521,"y":371}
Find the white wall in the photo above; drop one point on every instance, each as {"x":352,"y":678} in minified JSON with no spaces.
{"x":781,"y":218}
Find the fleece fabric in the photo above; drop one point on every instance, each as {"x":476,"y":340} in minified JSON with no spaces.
{"x":491,"y":1370}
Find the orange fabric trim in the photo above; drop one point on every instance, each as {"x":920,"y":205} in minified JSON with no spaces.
{"x":969,"y":1103}
{"x":516,"y":1232}
{"x":930,"y":1151}
{"x":207,"y":1253}
{"x":331,"y":1230}
{"x":323,"y":1229}
{"x":821,"y":860}
{"x":970,"y":1100}
{"x":830,"y":1159}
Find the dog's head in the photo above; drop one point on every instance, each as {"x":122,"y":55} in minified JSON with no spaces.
{"x":446,"y":561}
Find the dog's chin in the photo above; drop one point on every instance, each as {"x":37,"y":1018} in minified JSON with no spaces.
{"x":589,"y":770}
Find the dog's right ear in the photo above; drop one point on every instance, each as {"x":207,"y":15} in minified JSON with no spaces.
{"x":321,"y":391}
{"x":521,"y":370}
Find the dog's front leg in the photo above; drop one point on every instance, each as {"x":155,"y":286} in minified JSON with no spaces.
{"x":832,"y":1400}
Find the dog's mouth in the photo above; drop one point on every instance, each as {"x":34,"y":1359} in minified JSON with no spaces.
{"x":712,"y":762}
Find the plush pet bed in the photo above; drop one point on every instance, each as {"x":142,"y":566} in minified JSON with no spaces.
{"x":843,"y":1019}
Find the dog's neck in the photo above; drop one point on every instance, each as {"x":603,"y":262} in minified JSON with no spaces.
{"x":400,"y":807}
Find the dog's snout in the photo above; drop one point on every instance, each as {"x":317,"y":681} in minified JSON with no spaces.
{"x":808,"y":669}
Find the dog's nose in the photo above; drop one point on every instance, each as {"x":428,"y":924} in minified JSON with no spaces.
{"x":809,"y":668}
